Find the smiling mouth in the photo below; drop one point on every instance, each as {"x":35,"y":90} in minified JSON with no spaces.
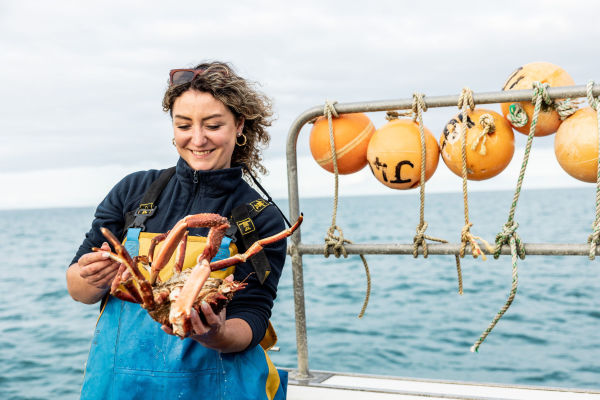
{"x":201,"y":153}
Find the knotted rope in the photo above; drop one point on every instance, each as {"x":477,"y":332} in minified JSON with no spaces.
{"x":418,"y":107}
{"x":565,"y":108}
{"x":487,"y":123}
{"x":594,"y":238}
{"x":332,"y":241}
{"x":465,"y":101}
{"x":509,"y":231}
{"x":392,"y":115}
{"x":517,"y":115}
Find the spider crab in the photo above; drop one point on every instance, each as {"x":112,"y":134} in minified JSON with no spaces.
{"x":170,"y":302}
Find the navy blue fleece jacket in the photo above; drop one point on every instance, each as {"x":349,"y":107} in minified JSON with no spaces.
{"x":192,"y":192}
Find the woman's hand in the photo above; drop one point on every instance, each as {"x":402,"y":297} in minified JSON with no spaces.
{"x":90,"y":277}
{"x":210,"y":333}
{"x":218,"y":333}
{"x":96,"y":269}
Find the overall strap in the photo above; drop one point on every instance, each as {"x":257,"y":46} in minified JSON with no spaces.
{"x":135,"y":220}
{"x":147,"y":206}
{"x":241,"y":218}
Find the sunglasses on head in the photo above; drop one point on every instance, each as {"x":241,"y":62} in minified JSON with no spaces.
{"x":181,"y":76}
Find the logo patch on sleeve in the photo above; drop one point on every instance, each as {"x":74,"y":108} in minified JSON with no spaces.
{"x":246,"y":226}
{"x":259,"y":205}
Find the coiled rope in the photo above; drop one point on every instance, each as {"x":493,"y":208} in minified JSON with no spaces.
{"x":332,"y":241}
{"x":509,"y":235}
{"x":594,"y":238}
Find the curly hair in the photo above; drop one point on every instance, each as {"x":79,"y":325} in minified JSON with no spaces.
{"x":242,"y":99}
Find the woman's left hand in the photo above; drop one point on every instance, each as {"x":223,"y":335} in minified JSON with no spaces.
{"x":209,"y":334}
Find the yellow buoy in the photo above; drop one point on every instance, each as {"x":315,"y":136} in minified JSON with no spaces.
{"x":394,"y":154}
{"x":351,"y":136}
{"x":523,"y":78}
{"x":487,"y":153}
{"x":576,"y":145}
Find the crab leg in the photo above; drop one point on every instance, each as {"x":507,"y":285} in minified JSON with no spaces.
{"x":180,"y":258}
{"x":255,"y":248}
{"x":155,"y":240}
{"x":124,"y":258}
{"x":214,"y":238}
{"x":124,"y":296}
{"x":182,"y":307}
{"x":118,"y":278}
{"x":133,"y":296}
{"x":213,"y":221}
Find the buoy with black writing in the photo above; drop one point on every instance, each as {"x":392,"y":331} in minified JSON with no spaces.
{"x":576,"y":145}
{"x":519,"y":114}
{"x":490,"y":144}
{"x":394,"y":154}
{"x":351,"y":133}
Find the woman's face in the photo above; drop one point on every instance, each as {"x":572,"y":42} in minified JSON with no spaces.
{"x":205,"y":130}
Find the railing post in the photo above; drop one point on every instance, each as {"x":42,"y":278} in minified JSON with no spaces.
{"x":295,"y":239}
{"x":300,"y":313}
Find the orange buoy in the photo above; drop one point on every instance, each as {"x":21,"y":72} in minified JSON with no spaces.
{"x":487,"y":155}
{"x":394,"y":154}
{"x":576,"y":145}
{"x":523,"y":78}
{"x":351,"y":133}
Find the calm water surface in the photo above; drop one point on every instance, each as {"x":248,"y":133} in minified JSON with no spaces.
{"x":416,"y":324}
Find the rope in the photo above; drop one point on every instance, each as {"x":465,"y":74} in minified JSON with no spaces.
{"x":418,"y":107}
{"x":517,"y":115}
{"x":509,"y":231}
{"x":392,"y":115}
{"x":336,"y":242}
{"x":594,"y":238}
{"x":487,"y":123}
{"x":465,"y":102}
{"x":513,"y":292}
{"x":566,"y":108}
{"x":459,"y":272}
{"x":539,"y":95}
{"x":466,"y":237}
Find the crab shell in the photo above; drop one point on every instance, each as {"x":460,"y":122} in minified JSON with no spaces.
{"x":216,"y":292}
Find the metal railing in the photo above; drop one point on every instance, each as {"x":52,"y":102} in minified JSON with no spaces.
{"x":297,"y":248}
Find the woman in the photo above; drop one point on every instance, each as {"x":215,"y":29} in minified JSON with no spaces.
{"x":219,"y":123}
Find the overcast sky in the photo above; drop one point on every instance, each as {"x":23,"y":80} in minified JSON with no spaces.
{"x":82,"y":81}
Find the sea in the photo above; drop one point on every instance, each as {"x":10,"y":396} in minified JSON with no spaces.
{"x":416,"y":324}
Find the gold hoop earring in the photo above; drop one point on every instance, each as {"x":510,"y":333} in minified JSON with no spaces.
{"x":241,"y":135}
{"x":173,"y":141}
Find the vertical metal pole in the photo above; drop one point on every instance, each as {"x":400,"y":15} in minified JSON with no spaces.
{"x":298,"y":278}
{"x":298,"y":275}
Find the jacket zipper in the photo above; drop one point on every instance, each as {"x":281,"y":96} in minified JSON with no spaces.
{"x":187,"y":212}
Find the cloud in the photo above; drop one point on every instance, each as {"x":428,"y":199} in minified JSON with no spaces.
{"x":83,"y":81}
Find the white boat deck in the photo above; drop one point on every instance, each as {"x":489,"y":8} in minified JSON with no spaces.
{"x":332,"y":385}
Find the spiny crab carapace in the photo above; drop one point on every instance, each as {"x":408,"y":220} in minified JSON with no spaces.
{"x":170,"y":302}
